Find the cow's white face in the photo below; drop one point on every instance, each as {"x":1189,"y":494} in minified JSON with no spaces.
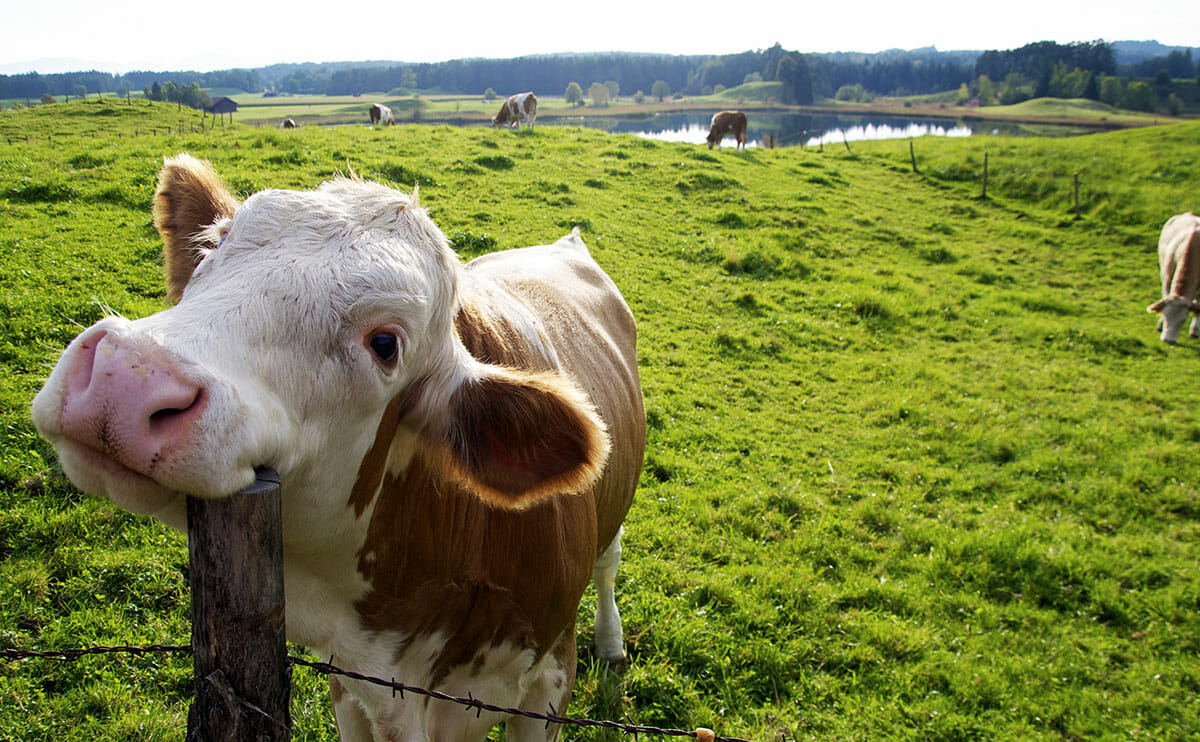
{"x":310,"y":317}
{"x":313,"y":312}
{"x":1174,"y":311}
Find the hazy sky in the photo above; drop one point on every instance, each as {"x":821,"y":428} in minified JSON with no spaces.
{"x":218,"y":34}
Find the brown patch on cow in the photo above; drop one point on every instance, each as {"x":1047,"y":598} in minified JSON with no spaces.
{"x":370,"y":471}
{"x":190,"y":197}
{"x":441,"y":560}
{"x":336,"y":690}
{"x":491,"y":338}
{"x":1187,"y":271}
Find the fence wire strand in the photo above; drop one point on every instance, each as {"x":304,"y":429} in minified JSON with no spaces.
{"x":326,"y":668}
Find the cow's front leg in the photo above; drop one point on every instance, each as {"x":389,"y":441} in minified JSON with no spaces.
{"x":549,"y":690}
{"x":1194,"y":332}
{"x":352,"y":723}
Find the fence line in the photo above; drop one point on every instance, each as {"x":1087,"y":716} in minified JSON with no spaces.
{"x":325,"y":668}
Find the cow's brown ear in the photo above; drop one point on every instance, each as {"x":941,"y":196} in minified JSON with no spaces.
{"x":1157,"y":306}
{"x":516,"y":438}
{"x":189,"y":198}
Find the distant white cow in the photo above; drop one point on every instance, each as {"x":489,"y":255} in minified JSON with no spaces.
{"x":518,"y":109}
{"x":381,"y":114}
{"x":1179,"y":264}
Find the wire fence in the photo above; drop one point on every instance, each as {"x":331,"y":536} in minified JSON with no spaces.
{"x":325,"y":668}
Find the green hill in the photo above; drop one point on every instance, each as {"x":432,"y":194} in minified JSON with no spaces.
{"x":918,"y":465}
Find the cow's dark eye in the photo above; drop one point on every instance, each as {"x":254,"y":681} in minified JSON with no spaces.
{"x":385,"y":345}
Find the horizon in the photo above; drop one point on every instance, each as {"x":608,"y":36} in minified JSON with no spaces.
{"x":95,"y":39}
{"x":53,"y":66}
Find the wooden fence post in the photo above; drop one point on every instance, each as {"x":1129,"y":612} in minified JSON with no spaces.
{"x":912,"y":155}
{"x":242,"y":673}
{"x":1077,"y":195}
{"x":984,"y":193}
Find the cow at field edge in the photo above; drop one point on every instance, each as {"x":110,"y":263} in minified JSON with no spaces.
{"x":458,"y":444}
{"x":288,"y":123}
{"x":381,"y":114}
{"x":1179,"y":265}
{"x":726,"y":123}
{"x":517,"y":110}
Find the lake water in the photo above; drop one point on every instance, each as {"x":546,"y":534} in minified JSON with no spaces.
{"x":789,"y":129}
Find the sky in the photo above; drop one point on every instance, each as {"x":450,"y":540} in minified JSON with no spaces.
{"x":68,"y":35}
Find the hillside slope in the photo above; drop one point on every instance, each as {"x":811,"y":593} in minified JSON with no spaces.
{"x":918,"y":466}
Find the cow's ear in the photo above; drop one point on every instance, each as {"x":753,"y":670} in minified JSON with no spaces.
{"x":1157,"y":306}
{"x":190,"y":197}
{"x":516,"y":437}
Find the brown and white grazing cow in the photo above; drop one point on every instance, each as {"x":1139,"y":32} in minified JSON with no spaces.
{"x":1179,"y":265}
{"x":518,"y":109}
{"x":288,"y":123}
{"x":381,"y":114}
{"x":458,"y":444}
{"x":726,"y":123}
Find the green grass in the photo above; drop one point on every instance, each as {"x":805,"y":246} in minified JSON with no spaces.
{"x":918,"y":465}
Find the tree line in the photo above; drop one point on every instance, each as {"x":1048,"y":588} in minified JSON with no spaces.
{"x":1086,"y":69}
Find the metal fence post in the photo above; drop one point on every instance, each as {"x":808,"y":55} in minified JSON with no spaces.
{"x":242,"y":673}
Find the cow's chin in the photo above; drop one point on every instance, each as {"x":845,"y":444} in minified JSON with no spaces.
{"x":99,"y":475}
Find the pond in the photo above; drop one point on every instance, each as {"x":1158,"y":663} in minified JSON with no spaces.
{"x":788,"y":129}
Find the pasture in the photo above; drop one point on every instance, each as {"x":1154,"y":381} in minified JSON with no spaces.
{"x":918,"y":466}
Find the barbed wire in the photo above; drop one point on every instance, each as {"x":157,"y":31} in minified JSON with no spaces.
{"x":325,"y":668}
{"x":74,"y":654}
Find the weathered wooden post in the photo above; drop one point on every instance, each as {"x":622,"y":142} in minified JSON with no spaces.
{"x":984,"y":193}
{"x":912,"y":155}
{"x":242,"y":674}
{"x":1077,"y":195}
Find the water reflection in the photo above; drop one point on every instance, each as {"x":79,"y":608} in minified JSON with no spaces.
{"x":789,"y":129}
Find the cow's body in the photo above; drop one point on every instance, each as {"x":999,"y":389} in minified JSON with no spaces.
{"x":727,"y":123}
{"x":381,"y":114}
{"x":517,"y":110}
{"x":288,"y":123}
{"x":458,"y":445}
{"x":1179,"y":268}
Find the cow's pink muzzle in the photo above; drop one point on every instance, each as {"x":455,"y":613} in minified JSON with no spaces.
{"x":127,"y":400}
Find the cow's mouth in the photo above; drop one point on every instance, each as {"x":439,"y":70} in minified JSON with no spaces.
{"x":100,"y":475}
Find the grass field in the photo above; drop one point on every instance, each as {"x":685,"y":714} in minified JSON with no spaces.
{"x":918,"y":466}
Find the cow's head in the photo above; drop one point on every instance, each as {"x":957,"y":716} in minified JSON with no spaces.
{"x":307,"y":324}
{"x":1174,"y":310}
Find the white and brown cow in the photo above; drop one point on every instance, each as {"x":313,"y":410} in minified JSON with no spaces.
{"x":381,"y":114}
{"x":517,"y":110}
{"x":1179,"y":265}
{"x":458,"y":444}
{"x":727,"y":123}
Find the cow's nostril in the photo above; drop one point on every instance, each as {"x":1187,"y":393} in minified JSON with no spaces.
{"x":168,"y":415}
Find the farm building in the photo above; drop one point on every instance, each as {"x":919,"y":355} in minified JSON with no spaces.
{"x":221,"y":106}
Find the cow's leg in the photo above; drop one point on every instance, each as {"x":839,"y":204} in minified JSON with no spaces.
{"x":551,"y":689}
{"x":351,"y":720}
{"x":1194,"y":332}
{"x":610,"y":645}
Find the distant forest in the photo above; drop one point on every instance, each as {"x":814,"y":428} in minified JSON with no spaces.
{"x":1140,"y":75}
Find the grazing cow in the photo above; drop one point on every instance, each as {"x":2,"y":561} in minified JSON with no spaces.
{"x":381,"y":114}
{"x":288,"y":123}
{"x":725,"y":123}
{"x":518,"y":109}
{"x":1179,"y":264}
{"x":458,"y":444}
